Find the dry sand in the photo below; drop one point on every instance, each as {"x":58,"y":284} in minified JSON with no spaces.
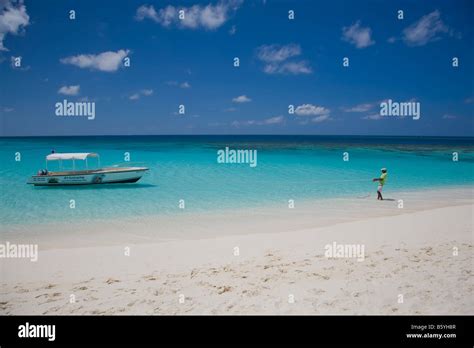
{"x":423,"y":253}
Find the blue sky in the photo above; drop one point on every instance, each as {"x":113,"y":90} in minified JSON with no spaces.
{"x":283,"y":62}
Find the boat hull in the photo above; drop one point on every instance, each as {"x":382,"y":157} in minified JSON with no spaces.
{"x":89,"y":178}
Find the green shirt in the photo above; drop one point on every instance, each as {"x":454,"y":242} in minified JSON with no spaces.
{"x":383,"y":177}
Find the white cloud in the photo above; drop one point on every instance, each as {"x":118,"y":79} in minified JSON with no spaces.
{"x":69,"y":90}
{"x":13,"y":18}
{"x":358,"y":36}
{"x":241,"y":99}
{"x":276,"y":59}
{"x":311,"y":110}
{"x":145,"y":11}
{"x":372,"y":117}
{"x":233,"y":30}
{"x":143,"y":92}
{"x":321,"y":118}
{"x":288,"y":68}
{"x":208,"y":17}
{"x":185,"y":84}
{"x":274,"y":120}
{"x":239,"y":123}
{"x":359,"y":108}
{"x":7,"y":109}
{"x":277,"y":53}
{"x":268,"y":121}
{"x":147,"y":92}
{"x":427,"y":29}
{"x":106,"y":61}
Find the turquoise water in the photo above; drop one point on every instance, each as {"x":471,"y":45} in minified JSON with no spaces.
{"x":185,"y":167}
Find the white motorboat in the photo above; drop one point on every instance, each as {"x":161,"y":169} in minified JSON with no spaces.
{"x":106,"y":175}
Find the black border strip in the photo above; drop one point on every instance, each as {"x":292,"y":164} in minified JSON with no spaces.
{"x":225,"y":330}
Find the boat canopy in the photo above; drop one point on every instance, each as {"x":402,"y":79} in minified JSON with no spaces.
{"x":71,"y":156}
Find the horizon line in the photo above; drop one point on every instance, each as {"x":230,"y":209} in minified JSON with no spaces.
{"x":254,"y":135}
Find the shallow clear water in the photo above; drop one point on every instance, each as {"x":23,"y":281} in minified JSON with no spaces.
{"x":185,"y":167}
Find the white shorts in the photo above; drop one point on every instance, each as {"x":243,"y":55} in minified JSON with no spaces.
{"x":379,"y":189}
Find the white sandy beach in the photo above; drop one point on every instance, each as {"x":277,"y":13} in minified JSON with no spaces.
{"x":187,"y":264}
